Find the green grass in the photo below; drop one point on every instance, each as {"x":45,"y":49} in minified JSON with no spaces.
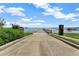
{"x":75,"y":37}
{"x":72,"y":35}
{"x":8,"y":35}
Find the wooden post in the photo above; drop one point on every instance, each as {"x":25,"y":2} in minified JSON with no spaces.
{"x":61,"y":29}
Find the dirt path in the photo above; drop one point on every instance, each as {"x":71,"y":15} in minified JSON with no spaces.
{"x":40,"y":44}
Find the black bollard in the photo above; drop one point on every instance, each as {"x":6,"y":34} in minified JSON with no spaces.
{"x":61,"y":29}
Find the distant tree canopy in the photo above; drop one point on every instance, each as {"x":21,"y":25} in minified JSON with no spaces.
{"x":70,"y":29}
{"x":2,"y":22}
{"x":15,"y":26}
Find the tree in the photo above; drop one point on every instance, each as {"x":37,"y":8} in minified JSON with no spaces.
{"x":69,"y":29}
{"x":2,"y":22}
{"x":15,"y":26}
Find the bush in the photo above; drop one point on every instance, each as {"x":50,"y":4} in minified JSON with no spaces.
{"x":1,"y":42}
{"x":8,"y":35}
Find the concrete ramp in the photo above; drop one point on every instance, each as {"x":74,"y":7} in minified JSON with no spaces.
{"x":40,"y":44}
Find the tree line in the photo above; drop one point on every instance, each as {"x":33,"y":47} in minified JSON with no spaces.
{"x":14,"y":26}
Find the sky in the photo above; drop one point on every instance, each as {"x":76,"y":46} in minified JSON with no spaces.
{"x":40,"y":14}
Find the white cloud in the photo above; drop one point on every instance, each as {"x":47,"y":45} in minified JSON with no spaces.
{"x":70,"y":16}
{"x":2,"y":6}
{"x":41,"y":5}
{"x":34,"y":24}
{"x":41,"y":21}
{"x":15,"y":11}
{"x":57,"y":12}
{"x":58,"y":15}
{"x":38,"y":24}
{"x":27,"y":22}
{"x":77,"y":9}
{"x":30,"y":20}
{"x":25,"y":19}
{"x":7,"y":24}
{"x":57,"y":8}
{"x":2,"y":9}
{"x":75,"y":20}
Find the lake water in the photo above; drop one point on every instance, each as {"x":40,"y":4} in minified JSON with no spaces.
{"x":65,"y":31}
{"x":30,"y":29}
{"x":53,"y":30}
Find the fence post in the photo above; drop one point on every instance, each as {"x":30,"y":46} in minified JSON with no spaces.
{"x":61,"y":29}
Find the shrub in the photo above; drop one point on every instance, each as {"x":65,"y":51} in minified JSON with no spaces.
{"x":8,"y":35}
{"x":1,"y":42}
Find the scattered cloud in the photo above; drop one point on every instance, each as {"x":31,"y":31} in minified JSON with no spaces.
{"x":77,"y":9}
{"x":28,"y":24}
{"x":57,"y":12}
{"x":7,"y":24}
{"x":75,"y":20}
{"x":70,"y":16}
{"x":34,"y":24}
{"x":53,"y":11}
{"x":41,"y":5}
{"x":30,"y":20}
{"x":41,"y":21}
{"x":15,"y":11}
{"x":2,"y":9}
{"x":26,"y":20}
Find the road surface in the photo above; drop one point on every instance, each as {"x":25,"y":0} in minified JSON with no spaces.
{"x":40,"y":44}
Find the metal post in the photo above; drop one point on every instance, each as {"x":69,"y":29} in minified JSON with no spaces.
{"x":61,"y":29}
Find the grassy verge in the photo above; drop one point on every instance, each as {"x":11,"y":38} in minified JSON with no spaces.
{"x":8,"y":35}
{"x":73,"y":37}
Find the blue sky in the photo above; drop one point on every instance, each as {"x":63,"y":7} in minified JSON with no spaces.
{"x":40,"y":14}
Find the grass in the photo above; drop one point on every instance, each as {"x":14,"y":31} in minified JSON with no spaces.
{"x":74,"y":36}
{"x":7,"y":35}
